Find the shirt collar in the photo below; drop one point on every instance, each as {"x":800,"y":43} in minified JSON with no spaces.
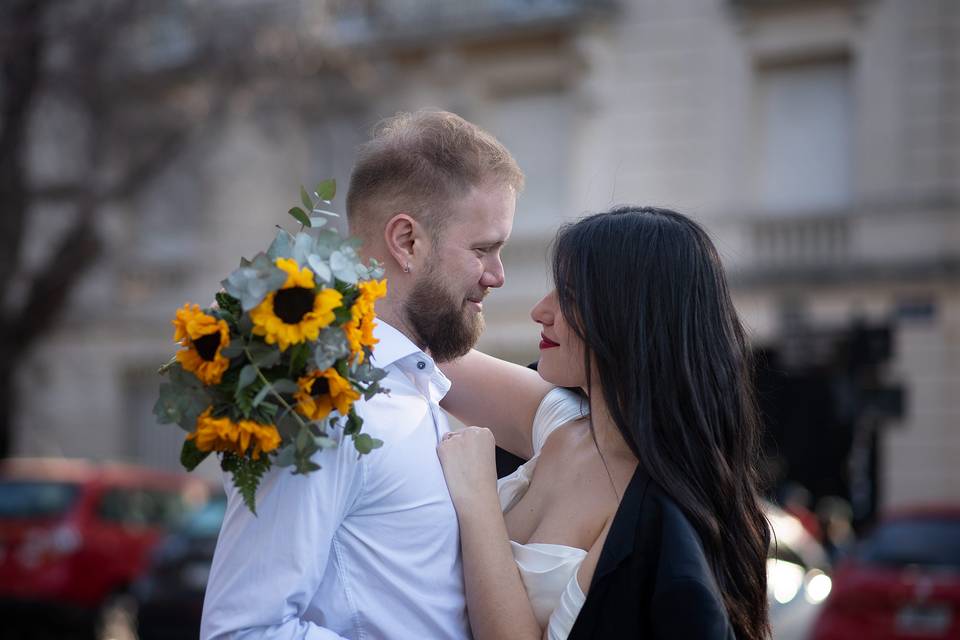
{"x":395,"y":349}
{"x":391,"y":345}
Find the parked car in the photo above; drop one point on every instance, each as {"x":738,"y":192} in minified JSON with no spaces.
{"x":75,"y":534}
{"x":169,"y":596}
{"x":902,"y":581}
{"x":168,"y":599}
{"x":798,"y":576}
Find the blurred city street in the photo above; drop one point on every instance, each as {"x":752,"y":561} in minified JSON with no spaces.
{"x":144,"y":146}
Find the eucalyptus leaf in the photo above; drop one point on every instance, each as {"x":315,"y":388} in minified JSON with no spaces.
{"x":282,"y":246}
{"x":190,"y":456}
{"x":327,"y":190}
{"x":232,"y":350}
{"x":168,"y":408}
{"x":288,"y":426}
{"x":325,"y":442}
{"x":183,"y":378}
{"x":303,"y":440}
{"x":354,"y":423}
{"x":364,"y":443}
{"x":317,"y":221}
{"x":300,"y":216}
{"x":375,"y":269}
{"x":264,"y":355}
{"x":302,"y":248}
{"x":320,"y":267}
{"x":305,"y":465}
{"x":373,"y":390}
{"x":326,"y":242}
{"x":196,"y":403}
{"x":251,"y":283}
{"x":326,"y":212}
{"x":284,"y":385}
{"x":366,"y":372}
{"x":181,"y":400}
{"x":247,"y":375}
{"x":261,"y":395}
{"x":343,"y":267}
{"x":306,"y":199}
{"x":284,"y":456}
{"x":331,"y":346}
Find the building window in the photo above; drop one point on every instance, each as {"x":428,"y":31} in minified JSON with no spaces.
{"x":802,"y":159}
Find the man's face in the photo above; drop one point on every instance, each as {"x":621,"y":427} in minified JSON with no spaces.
{"x":445,"y":305}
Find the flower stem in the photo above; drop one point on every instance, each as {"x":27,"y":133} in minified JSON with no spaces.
{"x":273,"y":391}
{"x":166,"y":367}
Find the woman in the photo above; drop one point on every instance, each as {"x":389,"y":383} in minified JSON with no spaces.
{"x":637,"y":514}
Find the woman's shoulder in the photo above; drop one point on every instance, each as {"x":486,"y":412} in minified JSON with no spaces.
{"x":559,"y":408}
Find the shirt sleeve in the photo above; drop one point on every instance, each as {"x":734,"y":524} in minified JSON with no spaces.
{"x":267,"y":567}
{"x":557,"y":408}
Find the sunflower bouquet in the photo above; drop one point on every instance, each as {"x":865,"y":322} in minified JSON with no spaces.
{"x":268,"y":373}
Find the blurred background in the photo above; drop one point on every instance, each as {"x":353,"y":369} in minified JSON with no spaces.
{"x":145,"y":146}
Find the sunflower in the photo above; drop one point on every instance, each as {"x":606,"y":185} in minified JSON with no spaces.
{"x":359,"y":329}
{"x":204,"y":336}
{"x":323,"y":391}
{"x":223,"y":434}
{"x":297,"y":311}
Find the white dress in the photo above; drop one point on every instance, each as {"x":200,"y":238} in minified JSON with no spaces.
{"x":549,"y":571}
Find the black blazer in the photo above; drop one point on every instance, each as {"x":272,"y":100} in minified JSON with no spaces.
{"x":652,"y":579}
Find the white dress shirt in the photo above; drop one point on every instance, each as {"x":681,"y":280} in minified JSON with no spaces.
{"x":366,"y":547}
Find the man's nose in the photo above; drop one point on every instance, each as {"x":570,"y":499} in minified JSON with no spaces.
{"x":493,"y":274}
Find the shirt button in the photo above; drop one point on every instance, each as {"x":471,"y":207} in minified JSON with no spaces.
{"x":421,"y":365}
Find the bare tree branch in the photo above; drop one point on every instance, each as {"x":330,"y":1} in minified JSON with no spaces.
{"x":22,"y":50}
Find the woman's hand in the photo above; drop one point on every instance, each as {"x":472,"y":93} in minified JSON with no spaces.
{"x":469,"y":466}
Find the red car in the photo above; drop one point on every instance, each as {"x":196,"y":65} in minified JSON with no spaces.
{"x":902,"y":581}
{"x":74,"y":533}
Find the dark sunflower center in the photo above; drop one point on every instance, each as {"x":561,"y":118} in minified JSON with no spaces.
{"x":290,"y":305}
{"x":207,"y":345}
{"x":320,"y":387}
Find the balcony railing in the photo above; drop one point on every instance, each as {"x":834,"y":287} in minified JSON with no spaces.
{"x":902,"y":242}
{"x":365,"y":22}
{"x":801,"y":241}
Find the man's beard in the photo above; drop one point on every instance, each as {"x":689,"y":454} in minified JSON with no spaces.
{"x":440,"y":321}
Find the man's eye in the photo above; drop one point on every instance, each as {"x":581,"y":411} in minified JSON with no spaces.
{"x":481,"y":251}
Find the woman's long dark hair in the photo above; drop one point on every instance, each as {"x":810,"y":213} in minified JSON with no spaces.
{"x":645,"y":291}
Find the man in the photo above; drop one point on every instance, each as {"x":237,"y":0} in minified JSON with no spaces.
{"x":369,"y":547}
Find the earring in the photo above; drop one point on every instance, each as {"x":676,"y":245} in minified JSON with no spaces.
{"x":406,"y":268}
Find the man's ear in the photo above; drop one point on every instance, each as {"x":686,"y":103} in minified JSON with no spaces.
{"x":405,"y":240}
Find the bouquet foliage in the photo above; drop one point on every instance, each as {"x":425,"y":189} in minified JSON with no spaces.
{"x":264,"y":376}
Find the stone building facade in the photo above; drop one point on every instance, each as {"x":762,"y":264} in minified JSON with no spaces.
{"x":818,"y":142}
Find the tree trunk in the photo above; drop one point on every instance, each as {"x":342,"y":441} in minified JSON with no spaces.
{"x":21,"y":57}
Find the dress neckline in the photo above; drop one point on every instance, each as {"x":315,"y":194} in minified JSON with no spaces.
{"x":541,"y":545}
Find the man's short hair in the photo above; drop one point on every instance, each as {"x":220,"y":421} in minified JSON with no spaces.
{"x":420,"y":162}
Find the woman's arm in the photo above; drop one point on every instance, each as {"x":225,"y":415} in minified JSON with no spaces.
{"x":497,"y":393}
{"x":497,"y":601}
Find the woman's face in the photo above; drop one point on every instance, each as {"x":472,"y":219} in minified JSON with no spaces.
{"x":561,"y":351}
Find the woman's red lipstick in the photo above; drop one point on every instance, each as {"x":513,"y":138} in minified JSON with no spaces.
{"x":546,"y":343}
